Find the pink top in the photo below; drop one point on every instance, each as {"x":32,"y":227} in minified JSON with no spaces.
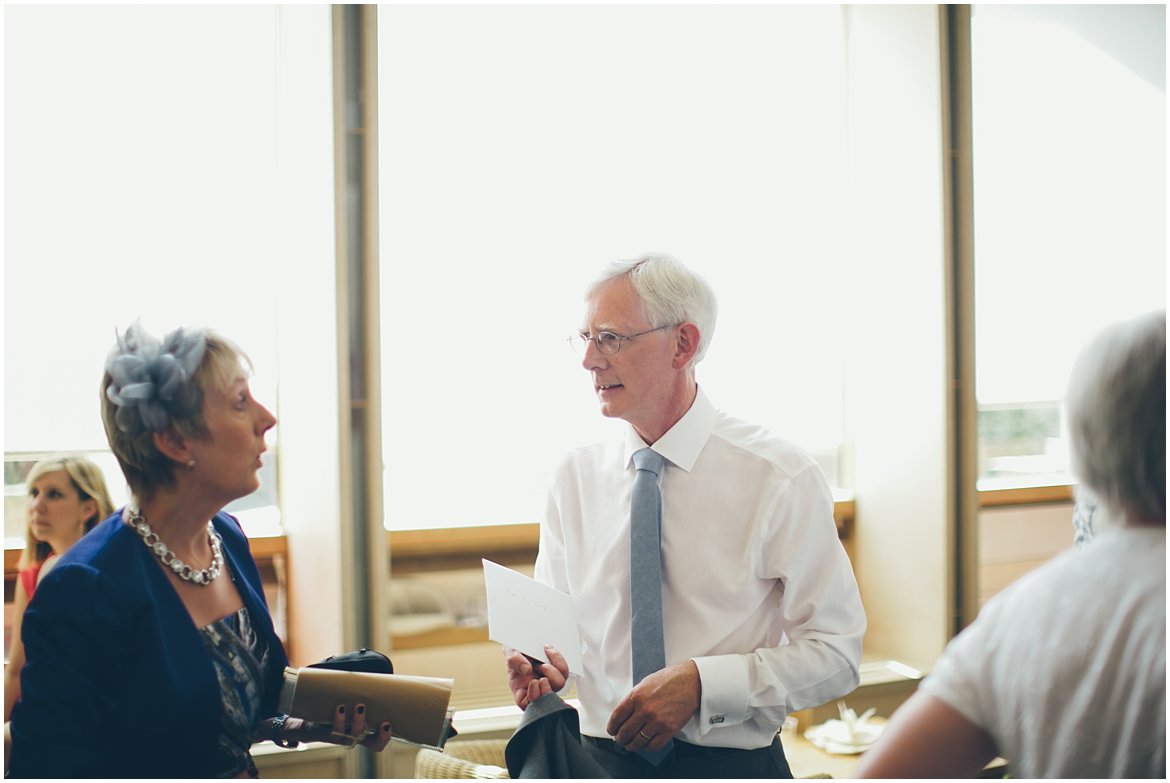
{"x":28,"y":578}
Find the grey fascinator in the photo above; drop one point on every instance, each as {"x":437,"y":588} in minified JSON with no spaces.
{"x":150,"y":381}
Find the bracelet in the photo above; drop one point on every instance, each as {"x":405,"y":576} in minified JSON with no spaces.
{"x":344,"y":739}
{"x":276,"y":733}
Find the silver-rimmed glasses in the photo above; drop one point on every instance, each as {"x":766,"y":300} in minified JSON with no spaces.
{"x":609,"y":343}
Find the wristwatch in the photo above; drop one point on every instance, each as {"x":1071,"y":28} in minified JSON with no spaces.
{"x":276,"y":733}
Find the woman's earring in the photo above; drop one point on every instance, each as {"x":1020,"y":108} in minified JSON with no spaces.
{"x":190,"y":464}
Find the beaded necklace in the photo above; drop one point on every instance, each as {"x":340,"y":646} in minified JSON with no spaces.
{"x":204,"y":576}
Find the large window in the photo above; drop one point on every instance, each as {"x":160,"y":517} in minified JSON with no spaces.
{"x":522,"y":148}
{"x":141,"y":175}
{"x":1070,"y":209}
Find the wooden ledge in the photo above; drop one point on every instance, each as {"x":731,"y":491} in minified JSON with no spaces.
{"x":1026,"y":496}
{"x":455,"y":542}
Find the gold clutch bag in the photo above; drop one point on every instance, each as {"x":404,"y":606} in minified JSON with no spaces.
{"x":417,"y":707}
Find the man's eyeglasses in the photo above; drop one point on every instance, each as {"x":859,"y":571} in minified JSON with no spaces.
{"x":609,"y":343}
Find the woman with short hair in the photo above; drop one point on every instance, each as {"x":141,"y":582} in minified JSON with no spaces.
{"x":1064,"y":672}
{"x":150,"y":650}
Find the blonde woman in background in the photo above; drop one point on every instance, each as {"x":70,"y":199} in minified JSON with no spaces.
{"x":66,"y":497}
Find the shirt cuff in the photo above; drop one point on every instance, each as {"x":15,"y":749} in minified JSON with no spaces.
{"x":724,"y":680}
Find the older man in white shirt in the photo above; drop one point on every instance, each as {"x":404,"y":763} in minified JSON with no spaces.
{"x":761,"y":614}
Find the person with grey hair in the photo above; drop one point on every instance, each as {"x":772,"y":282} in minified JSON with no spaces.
{"x":1064,"y":672}
{"x":150,"y":652}
{"x":738,"y":606}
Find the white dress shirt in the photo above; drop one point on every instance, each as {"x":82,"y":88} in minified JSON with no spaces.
{"x":757,"y":589}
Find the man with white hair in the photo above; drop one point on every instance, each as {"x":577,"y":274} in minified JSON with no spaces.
{"x":742,"y":607}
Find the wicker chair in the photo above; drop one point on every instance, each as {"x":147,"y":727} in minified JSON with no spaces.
{"x":482,"y":759}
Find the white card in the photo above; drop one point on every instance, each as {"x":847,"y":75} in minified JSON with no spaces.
{"x":526,"y":615}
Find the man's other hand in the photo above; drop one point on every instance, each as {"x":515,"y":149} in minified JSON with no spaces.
{"x":657,"y":708}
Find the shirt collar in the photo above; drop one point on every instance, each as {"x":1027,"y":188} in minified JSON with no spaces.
{"x":682,"y":443}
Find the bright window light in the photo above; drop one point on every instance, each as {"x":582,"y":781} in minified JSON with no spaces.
{"x":521,"y":148}
{"x":1070,"y":209}
{"x":140,"y":171}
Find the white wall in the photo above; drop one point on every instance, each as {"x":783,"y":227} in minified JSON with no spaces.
{"x":306,"y":290}
{"x":897,"y":393}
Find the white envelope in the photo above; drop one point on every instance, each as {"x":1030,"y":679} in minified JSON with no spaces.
{"x":526,"y":615}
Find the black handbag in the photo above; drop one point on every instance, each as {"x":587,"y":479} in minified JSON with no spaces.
{"x":363,"y":660}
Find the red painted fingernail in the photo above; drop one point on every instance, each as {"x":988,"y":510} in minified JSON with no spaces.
{"x":361,"y":708}
{"x":341,"y":709}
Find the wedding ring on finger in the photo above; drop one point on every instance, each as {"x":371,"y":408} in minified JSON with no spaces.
{"x":643,"y":735}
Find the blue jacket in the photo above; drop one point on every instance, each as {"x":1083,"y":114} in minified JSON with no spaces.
{"x":118,"y":683}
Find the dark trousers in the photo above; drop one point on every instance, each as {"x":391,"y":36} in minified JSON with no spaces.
{"x":691,"y":761}
{"x":548,"y":744}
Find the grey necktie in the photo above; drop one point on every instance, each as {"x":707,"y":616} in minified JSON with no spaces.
{"x":646,"y":644}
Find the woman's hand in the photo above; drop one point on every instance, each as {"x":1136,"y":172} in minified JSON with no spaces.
{"x":348,"y":728}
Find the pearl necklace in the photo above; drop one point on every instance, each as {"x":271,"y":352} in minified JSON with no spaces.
{"x":133,"y":517}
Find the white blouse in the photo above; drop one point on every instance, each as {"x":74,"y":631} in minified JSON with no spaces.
{"x":1066,"y":668}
